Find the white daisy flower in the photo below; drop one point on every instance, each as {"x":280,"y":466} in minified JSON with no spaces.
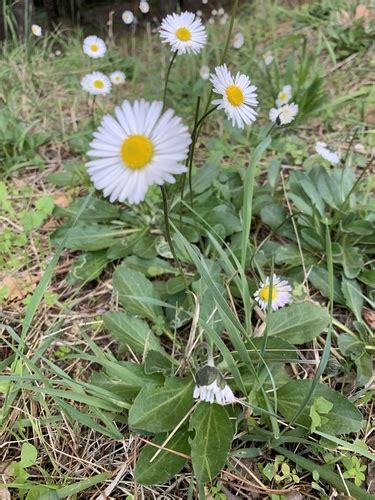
{"x":214,"y":12}
{"x":331,"y":156}
{"x":204,"y":1}
{"x":211,"y":20}
{"x":184,"y":32}
{"x":280,"y":293}
{"x":268,"y":58}
{"x":284,"y":96}
{"x":140,"y":147}
{"x":36,"y":30}
{"x":94,"y":47}
{"x":238,"y":40}
{"x":117,"y":78}
{"x":239,"y":98}
{"x":220,"y":11}
{"x":204,"y":72}
{"x":285,"y":114}
{"x":211,"y":386}
{"x":127,"y":16}
{"x":199,"y":13}
{"x":144,"y":7}
{"x":96,"y":83}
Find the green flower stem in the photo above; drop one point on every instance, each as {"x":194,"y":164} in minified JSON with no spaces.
{"x":167,"y":78}
{"x":93,"y":110}
{"x":169,"y":238}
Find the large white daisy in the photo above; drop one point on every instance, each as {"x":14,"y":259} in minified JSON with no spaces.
{"x":331,"y":156}
{"x":285,"y":114}
{"x":280,"y":293}
{"x":96,"y":83}
{"x":239,"y":98}
{"x":117,"y":78}
{"x":140,"y":147}
{"x":284,"y":96}
{"x":184,"y":32}
{"x":94,"y":47}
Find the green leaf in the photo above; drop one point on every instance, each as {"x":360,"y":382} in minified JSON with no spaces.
{"x":343,"y":418}
{"x":167,"y":464}
{"x":131,"y":332}
{"x":28,"y":455}
{"x":353,"y":296}
{"x":352,"y":261}
{"x":89,"y":237}
{"x":156,"y":362}
{"x":319,"y":406}
{"x":87,"y":267}
{"x":160,"y":409}
{"x":211,"y":443}
{"x":298,"y":323}
{"x":364,"y":368}
{"x":319,"y":279}
{"x":132,"y":287}
{"x":150,"y":267}
{"x":350,"y":345}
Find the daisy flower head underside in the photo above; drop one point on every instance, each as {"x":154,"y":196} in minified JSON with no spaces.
{"x":96,"y":83}
{"x":211,"y":386}
{"x":94,"y":47}
{"x":239,"y":98}
{"x":280,"y":293}
{"x":331,"y":156}
{"x":285,"y":114}
{"x":184,"y":32}
{"x":141,"y":146}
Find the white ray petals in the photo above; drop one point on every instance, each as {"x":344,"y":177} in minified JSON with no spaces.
{"x":140,"y":147}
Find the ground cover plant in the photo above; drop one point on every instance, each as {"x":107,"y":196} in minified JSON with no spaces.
{"x":187,"y":270}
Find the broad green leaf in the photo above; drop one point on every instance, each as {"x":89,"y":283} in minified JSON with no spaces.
{"x":352,"y":261}
{"x":298,"y":323}
{"x":28,"y":454}
{"x":132,"y":287}
{"x":211,"y":443}
{"x":350,"y":345}
{"x":353,"y":296}
{"x":131,"y":332}
{"x":344,"y":417}
{"x":319,"y":279}
{"x":160,"y":409}
{"x":364,"y":368}
{"x":94,"y":210}
{"x":167,"y":464}
{"x":319,"y":407}
{"x":277,"y":350}
{"x":156,"y":362}
{"x":87,"y":267}
{"x":88,"y":237}
{"x":150,"y":267}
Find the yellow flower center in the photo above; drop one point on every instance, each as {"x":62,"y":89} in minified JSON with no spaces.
{"x":235,"y":95}
{"x":183,"y":34}
{"x":98,"y":84}
{"x":94,"y":47}
{"x":264,"y":293}
{"x":283,"y":96}
{"x":137,"y":151}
